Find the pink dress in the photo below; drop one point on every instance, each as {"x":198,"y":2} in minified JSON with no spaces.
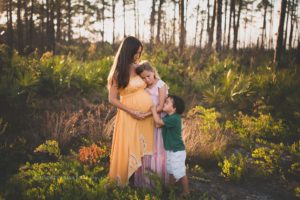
{"x":157,"y":162}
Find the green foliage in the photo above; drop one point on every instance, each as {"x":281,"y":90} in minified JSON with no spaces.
{"x":58,"y":74}
{"x":68,"y":178}
{"x":207,"y":119}
{"x":297,"y":191}
{"x":3,"y":126}
{"x":264,"y":126}
{"x":234,"y":167}
{"x":171,"y":69}
{"x":222,"y":85}
{"x":50,"y":147}
{"x":295,"y":169}
{"x":53,"y":75}
{"x":203,"y":134}
{"x":267,"y":160}
{"x":279,"y":93}
{"x":295,"y":148}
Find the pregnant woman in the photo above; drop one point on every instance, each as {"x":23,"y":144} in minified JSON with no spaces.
{"x":133,"y":132}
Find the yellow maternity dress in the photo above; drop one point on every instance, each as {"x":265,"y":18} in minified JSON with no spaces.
{"x":132,"y":138}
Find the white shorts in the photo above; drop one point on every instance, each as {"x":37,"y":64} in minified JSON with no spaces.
{"x":176,"y":164}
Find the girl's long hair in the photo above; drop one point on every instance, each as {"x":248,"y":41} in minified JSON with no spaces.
{"x":120,"y":70}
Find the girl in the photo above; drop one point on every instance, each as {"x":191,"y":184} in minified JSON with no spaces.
{"x":157,"y":162}
{"x":133,"y":133}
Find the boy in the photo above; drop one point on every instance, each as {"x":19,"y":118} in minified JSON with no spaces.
{"x":175,"y":149}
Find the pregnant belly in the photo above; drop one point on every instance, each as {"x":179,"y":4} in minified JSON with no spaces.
{"x":139,"y":100}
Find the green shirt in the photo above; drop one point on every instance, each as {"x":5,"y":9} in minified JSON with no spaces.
{"x":171,"y":133}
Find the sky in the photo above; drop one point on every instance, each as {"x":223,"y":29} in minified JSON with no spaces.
{"x":246,"y":35}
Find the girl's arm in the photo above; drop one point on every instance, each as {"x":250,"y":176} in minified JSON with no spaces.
{"x":158,"y":121}
{"x":113,"y":99}
{"x":162,"y":94}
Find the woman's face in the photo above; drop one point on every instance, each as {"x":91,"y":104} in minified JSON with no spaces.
{"x":137,"y":55}
{"x":148,"y":77}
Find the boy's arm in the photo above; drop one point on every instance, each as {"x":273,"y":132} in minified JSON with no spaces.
{"x":159,"y":122}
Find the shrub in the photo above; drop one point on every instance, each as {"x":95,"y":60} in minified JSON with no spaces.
{"x":91,"y":155}
{"x":234,"y":167}
{"x":250,"y":128}
{"x":50,"y":147}
{"x":70,"y":124}
{"x":295,"y":170}
{"x":297,"y":191}
{"x":71,"y":178}
{"x":267,"y":160}
{"x":222,"y":85}
{"x":203,"y":135}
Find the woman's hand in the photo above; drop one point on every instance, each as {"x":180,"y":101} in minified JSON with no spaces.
{"x":137,"y":114}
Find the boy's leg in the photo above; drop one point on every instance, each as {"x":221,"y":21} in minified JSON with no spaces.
{"x":172,"y":179}
{"x":185,"y":184}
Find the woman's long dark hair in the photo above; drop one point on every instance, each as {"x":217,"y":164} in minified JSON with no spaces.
{"x":120,"y":69}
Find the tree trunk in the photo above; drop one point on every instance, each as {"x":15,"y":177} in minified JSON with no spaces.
{"x":20,"y":28}
{"x":231,"y":13}
{"x":174,"y":24}
{"x":201,"y":33}
{"x":159,"y":14}
{"x":58,"y":20}
{"x":279,"y":44}
{"x":286,"y":25}
{"x":182,"y":27}
{"x":212,"y":28}
{"x":219,"y":24}
{"x":225,"y":25}
{"x":186,"y":9}
{"x":31,"y":27}
{"x":236,"y":27}
{"x":103,"y":21}
{"x":42,"y":27}
{"x":124,"y":17}
{"x":208,"y":20}
{"x":69,"y":16}
{"x":114,"y":20}
{"x":135,"y":18}
{"x":138,"y":19}
{"x":25,"y":25}
{"x":152,"y":22}
{"x":293,"y":9}
{"x":52,"y":29}
{"x":271,"y":27}
{"x":197,"y":24}
{"x":263,"y":33}
{"x":10,"y":35}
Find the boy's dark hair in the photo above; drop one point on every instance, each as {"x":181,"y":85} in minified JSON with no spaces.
{"x":178,"y":103}
{"x":144,"y":66}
